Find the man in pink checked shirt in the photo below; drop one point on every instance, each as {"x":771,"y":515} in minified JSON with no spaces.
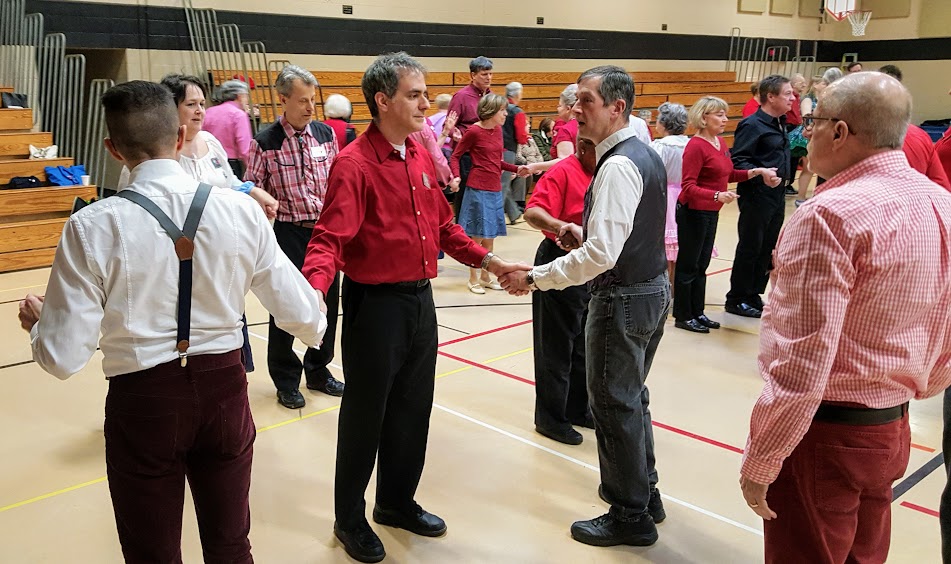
{"x":856,"y":326}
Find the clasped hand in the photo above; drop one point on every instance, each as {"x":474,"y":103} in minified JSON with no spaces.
{"x":30,"y":308}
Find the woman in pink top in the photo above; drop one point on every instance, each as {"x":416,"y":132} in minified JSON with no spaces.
{"x":230,"y":124}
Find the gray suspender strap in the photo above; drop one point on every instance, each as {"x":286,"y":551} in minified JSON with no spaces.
{"x":184,"y":241}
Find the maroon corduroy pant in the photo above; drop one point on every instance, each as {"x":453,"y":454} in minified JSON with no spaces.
{"x":169,"y":423}
{"x":833,"y":496}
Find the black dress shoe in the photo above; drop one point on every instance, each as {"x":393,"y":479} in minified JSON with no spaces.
{"x":417,"y":520}
{"x":587,"y":422}
{"x":291,"y":399}
{"x":330,"y":386}
{"x":569,"y":437}
{"x":707,"y":322}
{"x":691,"y":325}
{"x":757,"y":302}
{"x":608,"y":530}
{"x":361,"y":543}
{"x":743,"y":310}
{"x":655,"y":505}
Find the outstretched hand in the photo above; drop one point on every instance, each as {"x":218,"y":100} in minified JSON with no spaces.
{"x":770,"y":178}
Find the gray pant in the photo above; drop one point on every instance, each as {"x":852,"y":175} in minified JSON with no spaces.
{"x":511,"y":183}
{"x":624,"y":327}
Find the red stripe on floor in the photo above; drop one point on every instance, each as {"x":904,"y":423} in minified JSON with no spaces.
{"x":922,"y":447}
{"x":489,"y":368}
{"x":720,"y":271}
{"x":489,"y":332}
{"x":920,"y":509}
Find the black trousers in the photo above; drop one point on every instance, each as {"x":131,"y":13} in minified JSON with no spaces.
{"x":389,"y":357}
{"x":559,"y":317}
{"x":696,"y":232}
{"x":465,"y":165}
{"x":282,"y":362}
{"x":761,"y":219}
{"x":237,"y":166}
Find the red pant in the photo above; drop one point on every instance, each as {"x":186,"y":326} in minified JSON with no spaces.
{"x":833,"y":496}
{"x":168,"y":423}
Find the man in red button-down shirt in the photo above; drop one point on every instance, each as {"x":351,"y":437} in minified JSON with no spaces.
{"x":856,"y":326}
{"x":383,"y":222}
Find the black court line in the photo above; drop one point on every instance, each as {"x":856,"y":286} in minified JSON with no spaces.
{"x":12,"y":301}
{"x":453,"y":329}
{"x":917,"y":476}
{"x":15,"y":364}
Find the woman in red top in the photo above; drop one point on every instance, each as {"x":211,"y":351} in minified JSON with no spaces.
{"x":481,"y":213}
{"x":707,"y":169}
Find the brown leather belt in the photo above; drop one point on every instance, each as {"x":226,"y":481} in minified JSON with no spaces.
{"x":847,"y":415}
{"x":304,"y":224}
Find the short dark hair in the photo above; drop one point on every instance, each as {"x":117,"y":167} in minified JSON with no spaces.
{"x":772,"y":84}
{"x":893,"y":71}
{"x":141,"y":118}
{"x":480,"y":64}
{"x":545,"y":124}
{"x":615,"y":85}
{"x":852,"y":65}
{"x":178,"y":85}
{"x":383,"y":75}
{"x":754,"y":89}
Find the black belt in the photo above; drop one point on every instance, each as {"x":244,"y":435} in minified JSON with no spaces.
{"x":304,"y":224}
{"x":411,"y":286}
{"x":845,"y":415}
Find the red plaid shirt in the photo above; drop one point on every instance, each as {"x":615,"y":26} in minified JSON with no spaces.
{"x":293,"y":167}
{"x":860,"y":304}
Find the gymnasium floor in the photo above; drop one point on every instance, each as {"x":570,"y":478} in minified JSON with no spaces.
{"x":507,"y":493}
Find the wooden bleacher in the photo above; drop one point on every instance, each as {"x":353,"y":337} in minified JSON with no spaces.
{"x":31,"y":219}
{"x":540,"y":91}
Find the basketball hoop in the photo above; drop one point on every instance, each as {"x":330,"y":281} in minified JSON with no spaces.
{"x":859,"y":19}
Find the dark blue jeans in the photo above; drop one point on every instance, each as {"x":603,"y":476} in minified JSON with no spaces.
{"x":625,"y":325}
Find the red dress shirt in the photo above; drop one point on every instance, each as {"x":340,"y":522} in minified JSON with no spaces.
{"x":465,"y":103}
{"x":561,"y":192}
{"x":707,"y":171}
{"x":920,"y":151}
{"x":943,"y":149}
{"x":751,"y":106}
{"x":567,"y":132}
{"x":485,"y":148}
{"x":860,"y":304}
{"x":385,"y":218}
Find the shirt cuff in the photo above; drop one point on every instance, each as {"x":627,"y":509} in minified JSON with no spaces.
{"x":34,"y":333}
{"x":760,"y":471}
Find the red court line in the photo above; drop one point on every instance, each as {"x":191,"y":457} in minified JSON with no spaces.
{"x":489,"y":332}
{"x":920,"y":509}
{"x":720,"y":271}
{"x":922,"y":447}
{"x":658,"y":424}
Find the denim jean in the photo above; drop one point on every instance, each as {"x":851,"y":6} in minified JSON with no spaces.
{"x":624,"y":327}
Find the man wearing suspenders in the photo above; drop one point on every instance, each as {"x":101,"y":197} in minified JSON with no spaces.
{"x":168,"y":302}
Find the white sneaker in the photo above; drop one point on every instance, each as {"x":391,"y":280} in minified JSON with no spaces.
{"x":493,"y":285}
{"x":800,"y":202}
{"x":475,"y":288}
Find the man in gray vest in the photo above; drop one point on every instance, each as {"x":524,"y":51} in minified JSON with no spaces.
{"x":622,"y":259}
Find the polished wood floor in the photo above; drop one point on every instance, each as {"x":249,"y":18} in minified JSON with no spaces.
{"x":507,"y":493}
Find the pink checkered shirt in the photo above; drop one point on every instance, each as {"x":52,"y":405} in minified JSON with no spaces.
{"x":860,"y":304}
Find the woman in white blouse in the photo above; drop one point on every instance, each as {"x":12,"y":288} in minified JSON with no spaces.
{"x":670,"y":144}
{"x":202,"y":156}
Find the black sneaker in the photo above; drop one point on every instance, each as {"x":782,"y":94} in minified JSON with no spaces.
{"x":608,"y":530}
{"x":291,"y":399}
{"x":655,"y":505}
{"x":360,"y":542}
{"x":416,"y":520}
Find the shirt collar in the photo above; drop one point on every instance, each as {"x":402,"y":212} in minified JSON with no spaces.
{"x":766,"y":118}
{"x":620,"y":135}
{"x":885,"y":162}
{"x":146,"y":171}
{"x":478,"y":92}
{"x":383,"y":148}
{"x":290,"y":131}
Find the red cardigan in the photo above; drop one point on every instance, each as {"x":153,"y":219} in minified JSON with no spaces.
{"x":706,"y":172}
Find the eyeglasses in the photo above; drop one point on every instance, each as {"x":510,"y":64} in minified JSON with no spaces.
{"x":809,"y":121}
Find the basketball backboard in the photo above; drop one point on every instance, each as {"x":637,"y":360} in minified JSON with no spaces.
{"x":839,"y":9}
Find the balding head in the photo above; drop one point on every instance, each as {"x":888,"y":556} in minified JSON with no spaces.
{"x":860,"y":115}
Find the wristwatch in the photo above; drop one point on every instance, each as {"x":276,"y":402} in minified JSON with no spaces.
{"x":486,"y":260}
{"x":530,"y":280}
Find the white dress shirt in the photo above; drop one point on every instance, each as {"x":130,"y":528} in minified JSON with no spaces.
{"x":211,"y":168}
{"x":640,"y":127}
{"x":116,"y":272}
{"x":616,"y":193}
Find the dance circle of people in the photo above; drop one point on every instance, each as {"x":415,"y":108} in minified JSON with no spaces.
{"x":862,"y":263}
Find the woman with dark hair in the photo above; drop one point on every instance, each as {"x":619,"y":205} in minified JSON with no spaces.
{"x":482,"y":214}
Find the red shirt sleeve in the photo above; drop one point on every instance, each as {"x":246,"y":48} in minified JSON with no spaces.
{"x":936,"y":172}
{"x":547,"y":195}
{"x":508,"y":166}
{"x":943,"y":151}
{"x":521,"y":137}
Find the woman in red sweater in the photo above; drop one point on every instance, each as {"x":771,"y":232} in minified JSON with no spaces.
{"x":481,"y":213}
{"x":707,"y":170}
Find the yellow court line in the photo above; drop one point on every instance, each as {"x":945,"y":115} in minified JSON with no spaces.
{"x":261,"y":430}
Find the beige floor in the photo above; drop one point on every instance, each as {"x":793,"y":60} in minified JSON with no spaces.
{"x":508,"y":494}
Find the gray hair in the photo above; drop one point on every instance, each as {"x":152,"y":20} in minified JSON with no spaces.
{"x":673,"y":117}
{"x":338,"y":106}
{"x":285,"y":79}
{"x":383,"y":75}
{"x":615,"y":85}
{"x":231,"y":89}
{"x":569,"y":95}
{"x":831,"y":75}
{"x":875,"y":106}
{"x":513,"y":89}
{"x":480,"y":64}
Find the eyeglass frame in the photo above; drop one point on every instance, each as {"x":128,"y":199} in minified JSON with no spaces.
{"x":813,"y":118}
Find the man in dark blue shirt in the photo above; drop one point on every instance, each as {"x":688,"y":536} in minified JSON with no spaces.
{"x":760,"y":141}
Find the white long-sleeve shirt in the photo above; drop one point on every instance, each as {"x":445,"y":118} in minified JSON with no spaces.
{"x":616,"y":193}
{"x":116,"y":272}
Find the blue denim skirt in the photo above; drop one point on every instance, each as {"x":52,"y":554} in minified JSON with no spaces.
{"x":482,"y":214}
